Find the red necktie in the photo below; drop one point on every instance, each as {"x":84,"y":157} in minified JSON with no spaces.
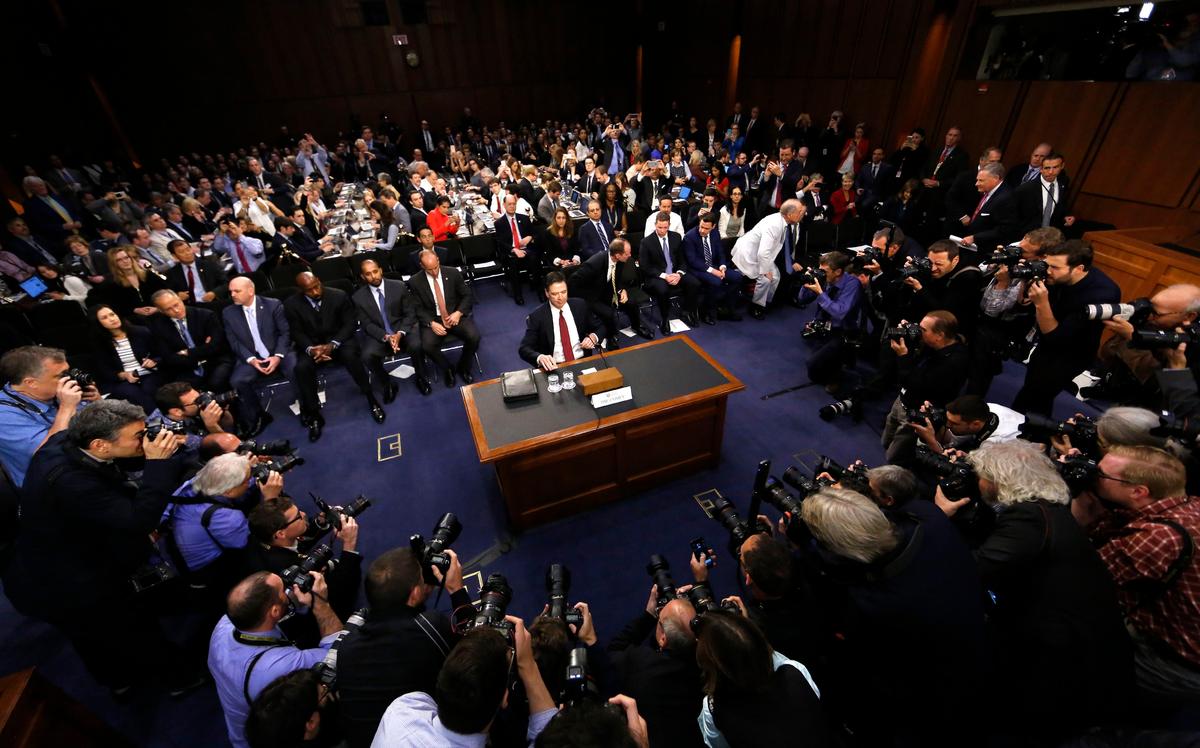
{"x":945,"y":152}
{"x":242,"y":258}
{"x":979,"y":207}
{"x":516,"y":234}
{"x":565,"y":335}
{"x":191,"y":282}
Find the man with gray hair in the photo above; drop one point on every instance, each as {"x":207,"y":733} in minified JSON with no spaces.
{"x":994,"y":221}
{"x":51,"y":218}
{"x":756,"y":251}
{"x":83,"y":537}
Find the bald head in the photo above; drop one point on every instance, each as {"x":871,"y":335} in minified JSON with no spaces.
{"x":675,"y":625}
{"x":241,"y":289}
{"x":792,"y":210}
{"x":1176,"y":305}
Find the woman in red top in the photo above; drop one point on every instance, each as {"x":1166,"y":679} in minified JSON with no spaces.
{"x":442,"y":221}
{"x":855,"y":151}
{"x":718,"y":181}
{"x":843,"y":200}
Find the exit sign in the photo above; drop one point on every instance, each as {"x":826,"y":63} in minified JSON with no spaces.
{"x":399,"y":39}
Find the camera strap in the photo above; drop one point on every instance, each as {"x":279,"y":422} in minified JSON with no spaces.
{"x":25,"y":407}
{"x":256,"y":642}
{"x":1151,"y":590}
{"x":424,"y":624}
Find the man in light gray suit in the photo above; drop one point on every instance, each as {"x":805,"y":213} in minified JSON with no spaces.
{"x":549,"y":203}
{"x":756,"y":253}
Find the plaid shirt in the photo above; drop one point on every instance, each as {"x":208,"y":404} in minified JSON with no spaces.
{"x":1134,"y":547}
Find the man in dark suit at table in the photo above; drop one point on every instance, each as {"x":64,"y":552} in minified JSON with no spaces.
{"x":719,"y":282}
{"x":417,"y":211}
{"x":322,"y":324}
{"x":872,"y":181}
{"x":664,"y":272}
{"x":385,"y":315}
{"x":443,"y":303}
{"x":257,"y":330}
{"x":514,"y":244}
{"x":560,"y":331}
{"x":1042,"y":202}
{"x":994,"y":221}
{"x":781,"y":179}
{"x":192,"y":343}
{"x":609,"y":282}
{"x":197,"y":280}
{"x":596,"y":233}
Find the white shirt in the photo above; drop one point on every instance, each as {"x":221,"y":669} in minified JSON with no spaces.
{"x":435,"y":282}
{"x":258,"y":216}
{"x":573,"y":331}
{"x":676,"y":224}
{"x":1050,"y":190}
{"x":199,"y":284}
{"x":754,"y":253}
{"x":1010,"y":423}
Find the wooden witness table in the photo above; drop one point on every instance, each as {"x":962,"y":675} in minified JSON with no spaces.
{"x":557,"y":456}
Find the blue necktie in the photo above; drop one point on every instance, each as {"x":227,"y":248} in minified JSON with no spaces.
{"x":387,"y":327}
{"x":187,"y":341}
{"x":787,"y":249}
{"x":667,"y":256}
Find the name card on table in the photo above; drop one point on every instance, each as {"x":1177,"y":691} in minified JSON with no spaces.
{"x":612,"y":397}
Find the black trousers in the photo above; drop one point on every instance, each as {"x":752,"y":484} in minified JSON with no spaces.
{"x":465,"y":331}
{"x":830,"y":357}
{"x":301,"y":372}
{"x":349,"y":355}
{"x":661,"y":291}
{"x":529,"y":266}
{"x":608,"y":315}
{"x":374,"y":351}
{"x":1049,"y":372}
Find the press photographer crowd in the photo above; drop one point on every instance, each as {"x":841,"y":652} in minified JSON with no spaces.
{"x":1005,"y":578}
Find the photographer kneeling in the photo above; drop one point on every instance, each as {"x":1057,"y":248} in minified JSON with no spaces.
{"x":1061,"y":657}
{"x":839,"y":296}
{"x":967,"y":422}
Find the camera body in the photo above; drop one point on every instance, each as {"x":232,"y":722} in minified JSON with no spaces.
{"x":223,"y":399}
{"x":494,"y":598}
{"x":909,"y":332}
{"x":1079,"y":472}
{"x":936,"y":416}
{"x":558,"y":587}
{"x":265,"y":449}
{"x":1007,"y":256}
{"x":660,"y":571}
{"x":334,"y":515}
{"x":81,"y":377}
{"x":432,"y":555}
{"x":957,"y":479}
{"x":853,"y":477}
{"x":261,"y":471}
{"x":817,"y":330}
{"x":156,"y":428}
{"x":813,"y":275}
{"x":1082,"y":432}
{"x":300,"y":575}
{"x":1033,"y":270}
{"x":919,"y":268}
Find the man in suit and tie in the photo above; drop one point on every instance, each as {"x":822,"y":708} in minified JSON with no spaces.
{"x":426,"y":137}
{"x":271,"y":186}
{"x":197,"y":280}
{"x":559,"y":331}
{"x":549,"y":202}
{"x":614,"y":152}
{"x":64,"y":179}
{"x":705,"y":257}
{"x":962,"y":196}
{"x":257,"y":329}
{"x":652,"y":184}
{"x":757,"y":252}
{"x":514,"y":244}
{"x":664,"y":272}
{"x":609,"y":282}
{"x":418,"y":215}
{"x":85,"y":262}
{"x":994,"y":221}
{"x":385,"y":310}
{"x":191,"y":341}
{"x":443,"y":303}
{"x":589,"y":183}
{"x":1029,"y":172}
{"x":29,"y":248}
{"x":872,"y":181}
{"x":1042,"y":202}
{"x":950,"y":162}
{"x":595,"y":234}
{"x":246,"y":252}
{"x":780,"y":179}
{"x":754,"y":132}
{"x":737,"y":118}
{"x":322,"y":324}
{"x":400,"y":214}
{"x":50,"y":217}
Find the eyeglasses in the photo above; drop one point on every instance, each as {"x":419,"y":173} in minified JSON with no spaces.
{"x":1115,"y":479}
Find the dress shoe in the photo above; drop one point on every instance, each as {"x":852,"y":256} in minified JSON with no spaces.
{"x":377,"y":412}
{"x":465,"y":375}
{"x":264,"y":420}
{"x":689,"y":319}
{"x":390,"y":391}
{"x":757,"y":312}
{"x":613,"y":344}
{"x":449,"y":377}
{"x":314,"y":428}
{"x":665,"y":327}
{"x":708,"y":319}
{"x":423,"y":385}
{"x":644,"y":332}
{"x":520,"y":299}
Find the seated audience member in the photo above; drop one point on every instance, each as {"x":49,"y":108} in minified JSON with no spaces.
{"x":258,"y":333}
{"x":151,"y":254}
{"x":753,"y":694}
{"x":733,"y":215}
{"x":559,"y":331}
{"x":547,"y":206}
{"x":84,"y":528}
{"x":386,"y":311}
{"x":706,"y":206}
{"x":816,"y":206}
{"x":442,"y":304}
{"x":322,"y":324}
{"x":1142,"y":521}
{"x":904,"y":208}
{"x":38,"y":400}
{"x":665,"y":205}
{"x":387,"y":233}
{"x":84,"y":262}
{"x":706,"y":260}
{"x":400,"y":217}
{"x":31,"y":249}
{"x":248,"y":650}
{"x":190,"y":343}
{"x":472,"y":688}
{"x":664,"y":272}
{"x":559,"y":245}
{"x":125,"y":358}
{"x":596,"y":233}
{"x":48,"y":215}
{"x":442,"y":220}
{"x":197,"y":280}
{"x":130,"y":288}
{"x":609,"y":283}
{"x":1055,"y":606}
{"x":518,"y":253}
{"x":246,"y":253}
{"x":400,"y":647}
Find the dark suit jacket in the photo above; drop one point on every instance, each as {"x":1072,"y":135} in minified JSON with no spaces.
{"x":400,"y":306}
{"x":590,"y":241}
{"x":997,"y":222}
{"x":590,"y":281}
{"x":108,"y":363}
{"x":650,"y":255}
{"x":419,"y":219}
{"x":791,"y":176}
{"x":45,"y":222}
{"x":957,"y":161}
{"x":539,"y":329}
{"x":73,"y":264}
{"x":961,"y":199}
{"x":458,"y":295}
{"x":587,"y":184}
{"x":272,"y":328}
{"x":1028,"y":200}
{"x":811,"y":211}
{"x":526,"y":190}
{"x":645,"y":190}
{"x":206,"y":332}
{"x":549,"y":247}
{"x":504,"y":237}
{"x":335,"y":321}
{"x":211,"y":275}
{"x":606,"y":152}
{"x":1014,"y":176}
{"x":26,"y":251}
{"x":877,"y":184}
{"x":693,"y":251}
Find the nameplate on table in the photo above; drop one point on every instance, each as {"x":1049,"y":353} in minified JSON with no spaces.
{"x":612,"y":397}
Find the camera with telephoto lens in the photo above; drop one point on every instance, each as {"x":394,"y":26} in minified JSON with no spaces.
{"x":333,"y":516}
{"x":81,"y":377}
{"x":558,"y":586}
{"x":261,"y":470}
{"x":957,"y":479}
{"x":660,"y":571}
{"x":157,"y":427}
{"x":1008,"y":256}
{"x":1033,"y":270}
{"x":853,"y":477}
{"x":725,"y":513}
{"x":1083,"y":434}
{"x":1148,"y":340}
{"x":704,"y":601}
{"x":909,"y":332}
{"x":779,"y":497}
{"x":223,"y":399}
{"x":494,"y":598}
{"x":579,"y":685}
{"x":817,"y":329}
{"x":803,"y":485}
{"x":920,"y":268}
{"x":326,"y":669}
{"x":851,"y":406}
{"x":1135,"y":312}
{"x":265,"y":449}
{"x":1079,"y":472}
{"x":813,"y":275}
{"x":433,"y":554}
{"x":936,"y":416}
{"x":301,"y":574}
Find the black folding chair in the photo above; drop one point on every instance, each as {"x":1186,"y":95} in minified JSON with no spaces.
{"x":331,"y":268}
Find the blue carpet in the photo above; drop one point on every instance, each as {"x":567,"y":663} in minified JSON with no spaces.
{"x":438,"y":470}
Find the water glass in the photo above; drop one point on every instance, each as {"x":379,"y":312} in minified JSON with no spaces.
{"x":553,"y":384}
{"x":568,"y":380}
